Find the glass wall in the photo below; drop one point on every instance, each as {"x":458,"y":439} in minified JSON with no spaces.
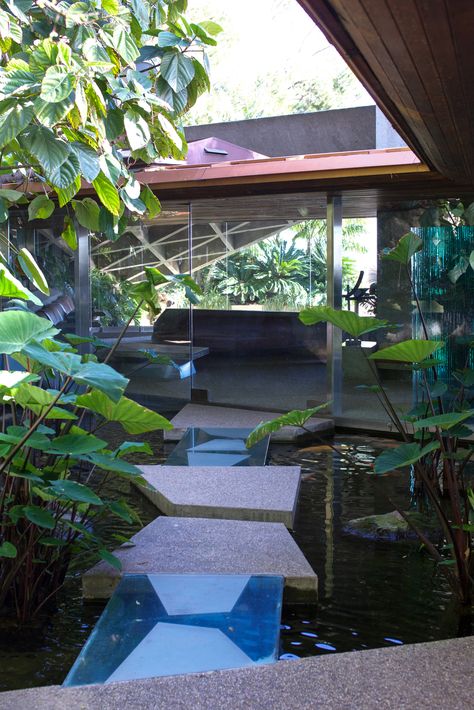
{"x":150,"y":340}
{"x":443,"y":282}
{"x":259,"y":261}
{"x":55,"y":258}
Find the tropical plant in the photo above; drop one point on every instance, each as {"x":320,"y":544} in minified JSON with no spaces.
{"x":54,"y":403}
{"x":111,"y":299}
{"x":435,"y":432}
{"x":272,"y":268}
{"x":87,"y":89}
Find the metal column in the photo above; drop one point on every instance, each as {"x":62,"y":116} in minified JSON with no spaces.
{"x":334,"y":299}
{"x":82,"y":283}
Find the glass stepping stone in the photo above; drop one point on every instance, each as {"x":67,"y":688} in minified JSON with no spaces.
{"x":211,"y":446}
{"x":157,"y":625}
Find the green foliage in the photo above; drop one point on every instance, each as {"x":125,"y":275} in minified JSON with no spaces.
{"x":407,"y":246}
{"x":49,"y":507}
{"x":415,"y":351}
{"x":432,"y":431}
{"x":402,"y":456}
{"x":86,"y":90}
{"x":347,"y":321}
{"x":295,"y":418}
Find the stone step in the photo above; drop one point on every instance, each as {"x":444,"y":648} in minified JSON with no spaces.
{"x":203,"y":415}
{"x":263,"y":493}
{"x":207,"y":546}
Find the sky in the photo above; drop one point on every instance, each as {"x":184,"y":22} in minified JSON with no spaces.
{"x":266,"y":46}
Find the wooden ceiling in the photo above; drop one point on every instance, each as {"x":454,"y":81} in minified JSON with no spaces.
{"x":416,"y":59}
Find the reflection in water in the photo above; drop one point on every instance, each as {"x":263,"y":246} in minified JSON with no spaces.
{"x":372,"y":594}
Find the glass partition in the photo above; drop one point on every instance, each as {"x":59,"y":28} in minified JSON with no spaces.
{"x":443,"y":283}
{"x":259,"y":260}
{"x":115,"y":267}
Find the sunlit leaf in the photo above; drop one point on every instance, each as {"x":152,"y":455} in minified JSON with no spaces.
{"x":408,"y":351}
{"x":295,"y":418}
{"x":347,"y":321}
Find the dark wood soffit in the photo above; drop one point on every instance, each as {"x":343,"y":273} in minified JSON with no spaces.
{"x":372,"y":189}
{"x":415,"y":58}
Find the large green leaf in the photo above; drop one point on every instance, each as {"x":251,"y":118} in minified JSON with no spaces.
{"x":39,"y":516}
{"x":71,"y":490}
{"x":87,"y":213}
{"x":37,"y":399}
{"x":74,"y":444}
{"x":88,"y":160}
{"x":177,"y":70}
{"x":137,"y":130}
{"x":17,"y":82}
{"x":297,"y":418}
{"x":8,"y":550}
{"x":49,"y":114}
{"x":65,"y":174}
{"x":151,"y":202}
{"x":347,"y":321}
{"x":51,"y":152}
{"x":66,"y":194}
{"x":111,"y":463}
{"x":13,"y":121}
{"x":408,"y":351}
{"x":408,"y":245}
{"x":444,"y":421}
{"x":32,"y":270}
{"x":57,"y":84}
{"x":69,"y":233}
{"x":107,"y":194}
{"x":124,"y":44}
{"x":102,"y":377}
{"x":10,"y":287}
{"x":92,"y":374}
{"x":134,"y":418}
{"x":403,"y":455}
{"x":40,"y":208}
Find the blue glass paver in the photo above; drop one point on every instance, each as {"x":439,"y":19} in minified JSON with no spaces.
{"x":156,"y":625}
{"x":211,"y":446}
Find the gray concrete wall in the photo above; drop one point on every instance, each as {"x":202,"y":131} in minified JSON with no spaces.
{"x":360,"y":128}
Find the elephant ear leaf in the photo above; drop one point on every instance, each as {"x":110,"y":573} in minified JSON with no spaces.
{"x":348,"y":321}
{"x":407,"y":246}
{"x":295,"y":418}
{"x":31,"y":269}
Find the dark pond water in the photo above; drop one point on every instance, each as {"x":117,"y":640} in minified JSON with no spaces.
{"x":372,"y":594}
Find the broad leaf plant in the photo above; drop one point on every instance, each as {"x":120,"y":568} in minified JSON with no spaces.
{"x":90,"y":90}
{"x":436,"y":434}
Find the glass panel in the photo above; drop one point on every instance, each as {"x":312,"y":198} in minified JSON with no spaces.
{"x":53,"y":256}
{"x":116,"y":266}
{"x":259,"y":261}
{"x":218,"y":447}
{"x":157,"y":625}
{"x":444,"y":284}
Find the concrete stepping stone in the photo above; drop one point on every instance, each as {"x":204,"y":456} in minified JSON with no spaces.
{"x":160,"y":624}
{"x":265,"y":493}
{"x":203,"y":415}
{"x":207,"y":546}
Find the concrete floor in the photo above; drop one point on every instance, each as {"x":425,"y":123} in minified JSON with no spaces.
{"x":428,"y":676}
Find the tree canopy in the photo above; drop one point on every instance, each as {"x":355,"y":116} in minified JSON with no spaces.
{"x":88,"y":91}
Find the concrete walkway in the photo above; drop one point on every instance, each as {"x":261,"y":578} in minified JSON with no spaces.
{"x":429,"y":676}
{"x":263,"y":493}
{"x":204,"y":415}
{"x":204,"y":546}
